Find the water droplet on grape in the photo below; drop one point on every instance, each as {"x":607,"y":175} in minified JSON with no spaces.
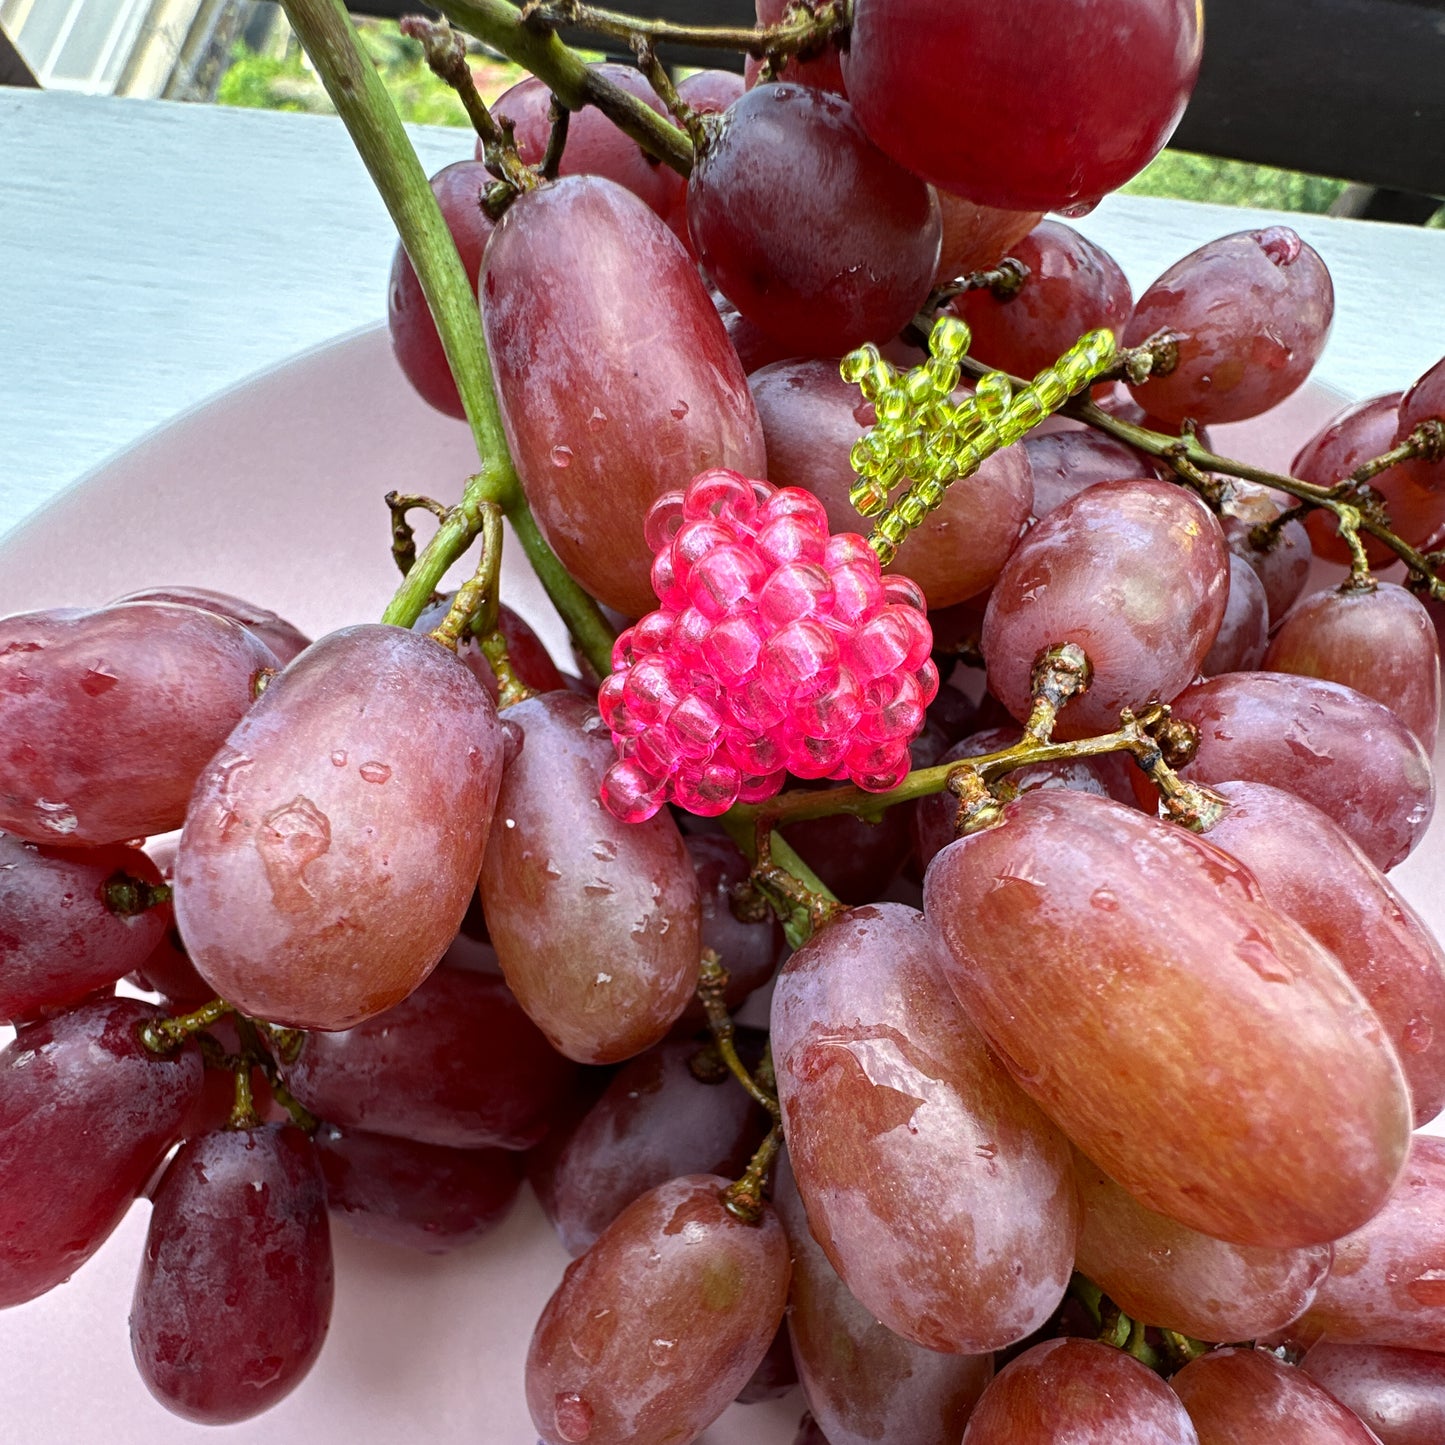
{"x":551,"y":869}
{"x":57,"y":817}
{"x":573,"y":1416}
{"x":1428,"y":1288}
{"x":660,"y":1351}
{"x":597,"y":420}
{"x":597,"y":889}
{"x":679,"y":409}
{"x":1103,"y":899}
{"x":561,"y":456}
{"x":374,"y":772}
{"x":986,"y":1151}
{"x":338,"y":758}
{"x":1418,"y":1036}
{"x":1079,"y":210}
{"x":97,"y":681}
{"x":604,"y":849}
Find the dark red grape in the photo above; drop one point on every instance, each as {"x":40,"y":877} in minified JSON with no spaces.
{"x":1308,"y":736}
{"x":1244,"y":1394}
{"x":1080,"y":1392}
{"x":327,"y":858}
{"x":1399,"y":1394}
{"x":1073,"y":286}
{"x":108,"y":716}
{"x":595,"y":146}
{"x":1377,"y":639}
{"x":1064,"y":463}
{"x":1249,"y":1091}
{"x":455,"y":1063}
{"x":86,"y":1114}
{"x":895,"y":1113}
{"x":418,"y":1196}
{"x":595,"y":921}
{"x":1251,"y":311}
{"x":1023,"y":106}
{"x":530,"y":659}
{"x":775,"y":1376}
{"x":976,"y":237}
{"x":1281,"y":559}
{"x":1425,"y":401}
{"x":234,"y":1294}
{"x":1135,"y":574}
{"x":654,"y":1331}
{"x":656,"y":1121}
{"x":599,"y":432}
{"x":867,"y":1385}
{"x":806,"y":227}
{"x":414,"y":341}
{"x":282,"y":637}
{"x":1243,"y":636}
{"x":60,"y":939}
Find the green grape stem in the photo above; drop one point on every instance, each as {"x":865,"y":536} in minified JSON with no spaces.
{"x":711,"y":985}
{"x":1185,"y":454}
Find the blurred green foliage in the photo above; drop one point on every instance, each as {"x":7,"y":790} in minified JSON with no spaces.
{"x":1233,"y":183}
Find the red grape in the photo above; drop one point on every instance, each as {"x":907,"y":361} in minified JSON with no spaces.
{"x":1251,"y":313}
{"x":1073,"y":286}
{"x":1243,"y":636}
{"x":595,"y":921}
{"x":1377,"y":639}
{"x":806,"y":227}
{"x":976,"y":237}
{"x":234,"y":1294}
{"x":530,"y":660}
{"x":1197,"y":1045}
{"x":1135,"y":574}
{"x":655,"y":1330}
{"x":327,"y":857}
{"x":598,"y":431}
{"x":1425,"y":401}
{"x":282,"y":637}
{"x":824,"y":71}
{"x":1399,"y":1394}
{"x":896,"y":1114}
{"x":1024,"y":106}
{"x":1065,"y":463}
{"x":86,"y":1114}
{"x":1281,"y":560}
{"x":109,"y":716}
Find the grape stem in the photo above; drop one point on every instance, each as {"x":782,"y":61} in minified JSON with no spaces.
{"x":1004,"y":280}
{"x":403,"y":538}
{"x":165,"y":1036}
{"x":533,"y":45}
{"x":126,"y":896}
{"x":801,"y":900}
{"x":1188,"y":458}
{"x":744,"y":1198}
{"x":351,"y":80}
{"x":807,"y":28}
{"x":711,"y":984}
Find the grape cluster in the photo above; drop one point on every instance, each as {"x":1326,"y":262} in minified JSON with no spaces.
{"x":778,"y":649}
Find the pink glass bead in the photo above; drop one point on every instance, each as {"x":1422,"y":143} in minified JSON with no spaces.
{"x":776,"y":648}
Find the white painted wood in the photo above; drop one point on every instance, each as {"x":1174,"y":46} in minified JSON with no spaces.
{"x":153,"y":253}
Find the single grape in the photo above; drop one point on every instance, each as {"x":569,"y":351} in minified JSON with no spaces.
{"x":812,"y":419}
{"x":865,"y":1384}
{"x":1065,"y":463}
{"x":655,"y":1121}
{"x":1073,"y":286}
{"x":806,"y":227}
{"x":1244,"y":1394}
{"x":455,"y":1063}
{"x":1279,"y":556}
{"x":282,"y":637}
{"x":234,"y":1294}
{"x":1080,"y":1392}
{"x":1312,"y":870}
{"x":1025,"y":106}
{"x":595,"y":921}
{"x":60,"y":936}
{"x":86,"y":1114}
{"x":1387,"y":1286}
{"x":1135,"y":574}
{"x":418,"y":1196}
{"x":1399,"y":1394}
{"x":977,"y":237}
{"x":109,"y":716}
{"x":1173,"y":1277}
{"x":1358,"y":434}
{"x":1200,"y":1047}
{"x":1377,"y":639}
{"x":1307,"y":736}
{"x":328,"y":856}
{"x":1251,"y":313}
{"x":655,"y":1330}
{"x":895,"y":1113}
{"x":775,"y":1376}
{"x":599,"y":431}
{"x":1425,"y":401}
{"x":595,"y":146}
{"x":1243,"y":636}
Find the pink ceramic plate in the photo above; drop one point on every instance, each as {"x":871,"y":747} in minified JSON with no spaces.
{"x":273,"y":491}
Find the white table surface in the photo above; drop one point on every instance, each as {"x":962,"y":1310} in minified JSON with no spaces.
{"x":153,"y":253}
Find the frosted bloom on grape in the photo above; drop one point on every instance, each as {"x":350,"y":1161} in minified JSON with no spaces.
{"x":777,"y":648}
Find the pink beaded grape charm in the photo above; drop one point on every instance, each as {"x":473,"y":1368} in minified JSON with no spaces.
{"x":777,"y":649}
